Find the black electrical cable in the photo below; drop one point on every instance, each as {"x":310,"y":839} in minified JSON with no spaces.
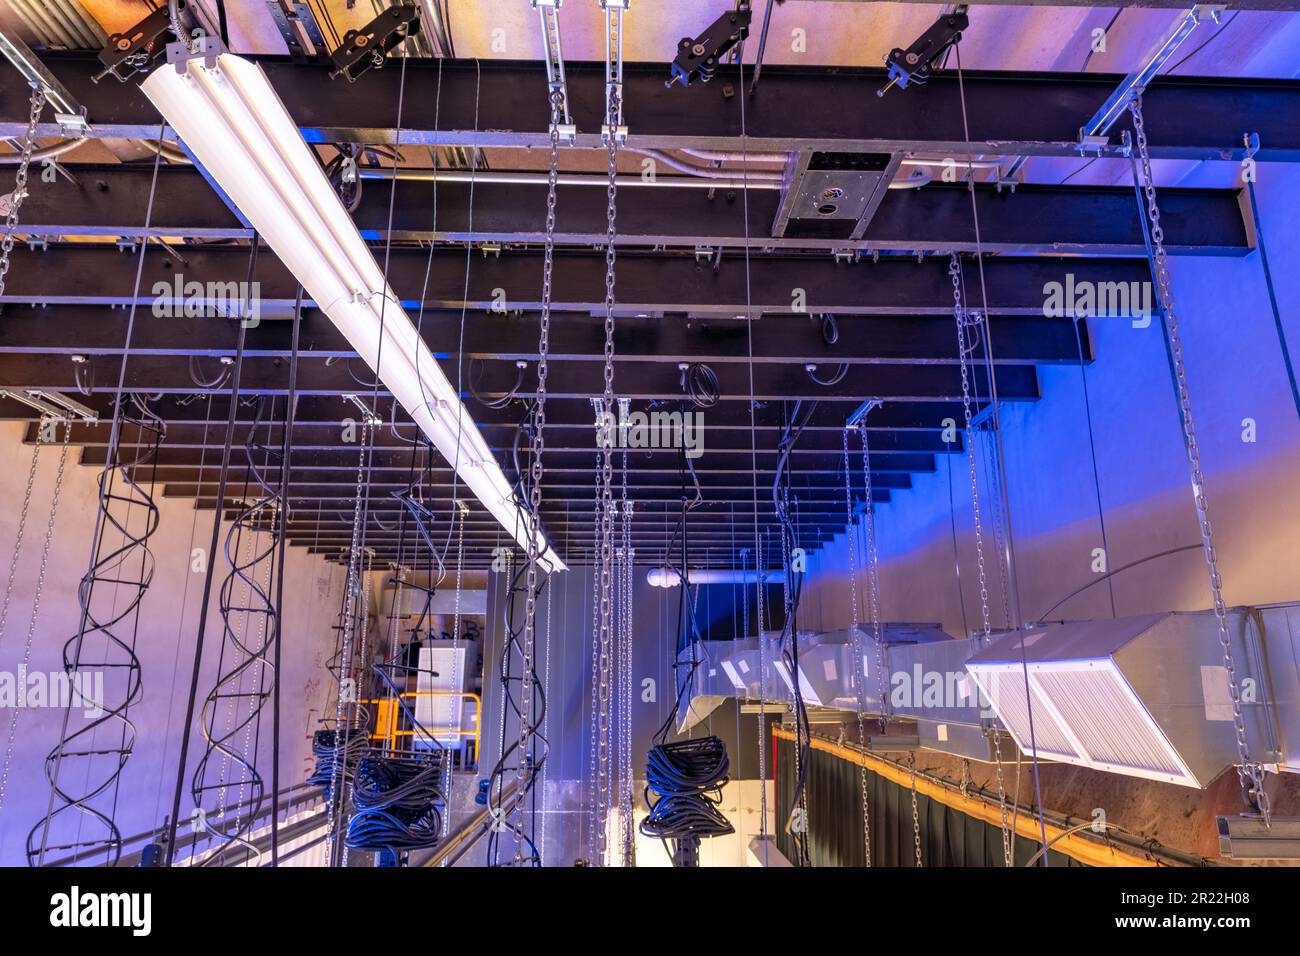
{"x":398,"y":803}
{"x":534,"y":758}
{"x":345,"y":176}
{"x":325,"y":748}
{"x":700,"y":383}
{"x":799,"y":418}
{"x":830,"y":329}
{"x":503,"y":400}
{"x":216,"y":381}
{"x":687,"y":775}
{"x":835,"y":379}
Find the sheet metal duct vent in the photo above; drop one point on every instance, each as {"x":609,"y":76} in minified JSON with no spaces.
{"x":1144,"y":696}
{"x":832,"y":195}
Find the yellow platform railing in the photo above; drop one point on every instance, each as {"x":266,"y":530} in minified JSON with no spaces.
{"x":386,"y":718}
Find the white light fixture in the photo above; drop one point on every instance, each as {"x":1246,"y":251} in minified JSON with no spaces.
{"x":230,"y":117}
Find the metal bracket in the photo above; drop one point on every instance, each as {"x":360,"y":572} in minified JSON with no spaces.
{"x":369,"y":417}
{"x":917,"y":62}
{"x":53,"y":405}
{"x":859,"y":417}
{"x":700,"y":55}
{"x":548,"y":14}
{"x":1136,"y":82}
{"x":365,"y":49}
{"x":136,"y":50}
{"x":299,"y":30}
{"x":613,"y":125}
{"x":70,"y":114}
{"x":207,"y":49}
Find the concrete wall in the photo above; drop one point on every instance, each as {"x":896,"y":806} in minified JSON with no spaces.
{"x":164,"y":643}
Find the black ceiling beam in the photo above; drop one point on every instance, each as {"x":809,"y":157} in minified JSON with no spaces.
{"x":101,"y":330}
{"x":664,"y":512}
{"x":503,"y":103}
{"x":559,"y":474}
{"x":647,"y":380}
{"x":1035,"y":219}
{"x":95,"y":275}
{"x":560,"y":413}
{"x":382,"y":486}
{"x":663,"y":461}
{"x":499,"y":437}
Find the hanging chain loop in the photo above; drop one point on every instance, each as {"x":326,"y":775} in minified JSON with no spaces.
{"x":859,"y":645}
{"x":964,"y":347}
{"x":40,"y":583}
{"x":20,"y":184}
{"x":916,"y":817}
{"x":1250,"y":774}
{"x":525,"y":769}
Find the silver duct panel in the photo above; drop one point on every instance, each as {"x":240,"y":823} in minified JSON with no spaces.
{"x":828,"y":669}
{"x":1143,"y":696}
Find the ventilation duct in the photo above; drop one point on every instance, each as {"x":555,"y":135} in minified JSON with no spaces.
{"x":1143,"y":696}
{"x":828,"y":669}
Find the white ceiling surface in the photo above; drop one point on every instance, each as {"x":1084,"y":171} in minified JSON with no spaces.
{"x":1245,"y":44}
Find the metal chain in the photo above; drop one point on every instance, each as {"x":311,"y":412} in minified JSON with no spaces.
{"x":523,"y":768}
{"x":18,"y":541}
{"x":916,"y":819}
{"x":954,"y":272}
{"x":455,"y":662}
{"x":36,"y":597}
{"x":629,"y":840}
{"x":338,"y":797}
{"x":20,"y":184}
{"x":1250,"y":774}
{"x":873,"y":582}
{"x":594,"y":722}
{"x":852,"y":544}
{"x":606,"y":482}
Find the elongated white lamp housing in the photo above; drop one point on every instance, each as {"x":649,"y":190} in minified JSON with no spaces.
{"x":226,"y":111}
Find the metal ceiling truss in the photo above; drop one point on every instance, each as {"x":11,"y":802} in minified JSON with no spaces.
{"x":848,"y":282}
{"x":1035,"y":219}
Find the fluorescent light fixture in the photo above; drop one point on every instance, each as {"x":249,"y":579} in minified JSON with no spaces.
{"x":230,"y":117}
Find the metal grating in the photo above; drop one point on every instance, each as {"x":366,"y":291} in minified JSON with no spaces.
{"x":1115,"y":731}
{"x":1005,"y":689}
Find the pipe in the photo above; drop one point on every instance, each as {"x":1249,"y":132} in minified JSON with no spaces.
{"x":40,"y":155}
{"x":464,"y":839}
{"x":674,"y":163}
{"x":717,"y":156}
{"x":976,"y":164}
{"x":565,"y":179}
{"x":166,"y":150}
{"x":912,"y":182}
{"x":669,"y":578}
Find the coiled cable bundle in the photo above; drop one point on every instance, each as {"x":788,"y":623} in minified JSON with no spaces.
{"x":326,"y":751}
{"x":398,"y":805}
{"x":689,"y":776}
